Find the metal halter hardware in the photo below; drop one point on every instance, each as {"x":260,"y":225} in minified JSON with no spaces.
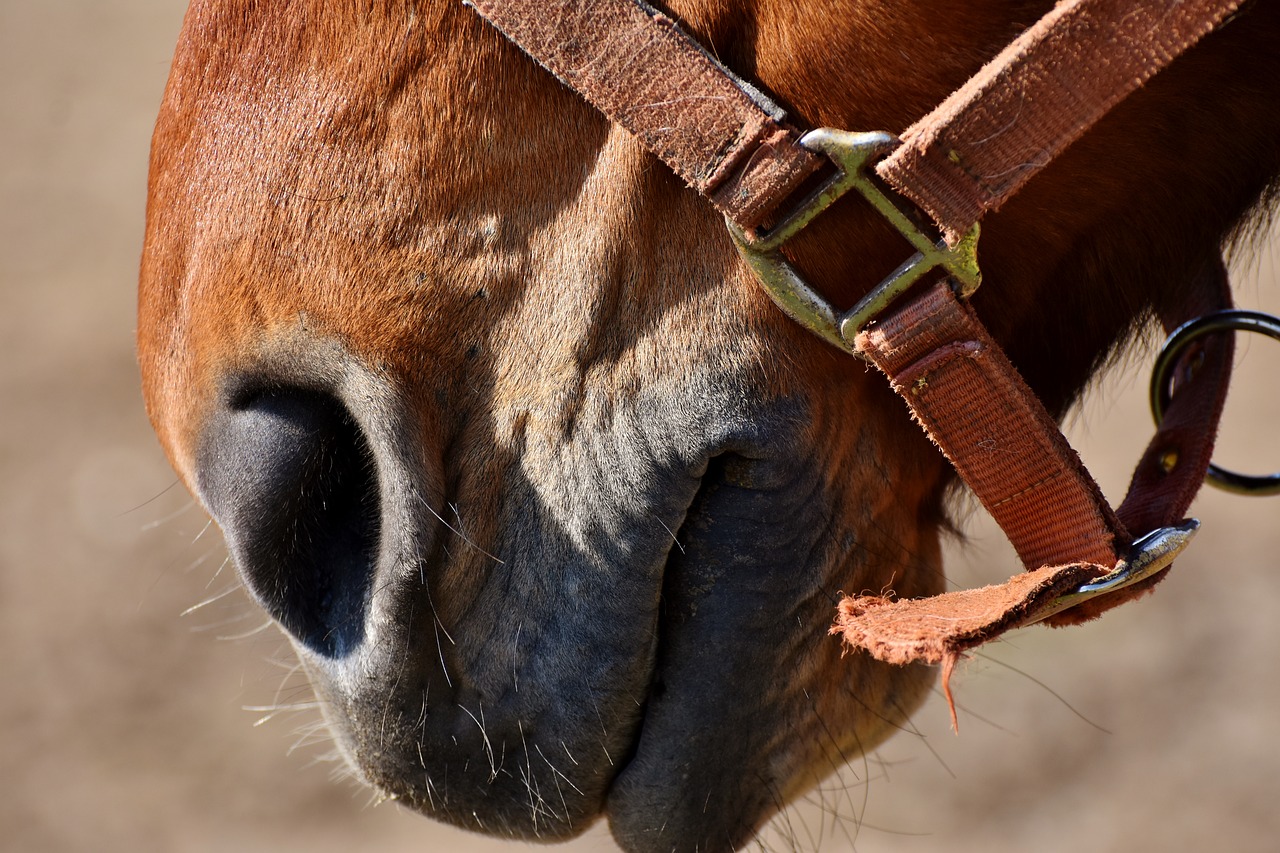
{"x":1148,"y":555}
{"x":851,"y":153}
{"x":1161,"y":391}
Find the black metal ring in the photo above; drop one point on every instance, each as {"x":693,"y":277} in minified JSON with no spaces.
{"x":1162,"y":393}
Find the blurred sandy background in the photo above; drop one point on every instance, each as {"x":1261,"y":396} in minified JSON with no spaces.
{"x":123,"y":721}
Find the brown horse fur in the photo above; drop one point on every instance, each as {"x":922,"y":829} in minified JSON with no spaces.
{"x":454,"y":363}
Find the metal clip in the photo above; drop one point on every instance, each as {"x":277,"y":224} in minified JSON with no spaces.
{"x":1147,"y":555}
{"x":851,"y":153}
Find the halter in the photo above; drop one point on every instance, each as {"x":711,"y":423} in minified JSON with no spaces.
{"x":965,"y":158}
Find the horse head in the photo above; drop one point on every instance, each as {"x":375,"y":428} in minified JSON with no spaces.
{"x":552,"y":502}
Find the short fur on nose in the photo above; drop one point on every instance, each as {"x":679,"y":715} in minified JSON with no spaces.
{"x":289,"y":476}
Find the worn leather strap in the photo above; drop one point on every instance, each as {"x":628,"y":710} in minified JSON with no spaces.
{"x":1041,"y":93}
{"x":984,"y":395}
{"x":721,"y":135}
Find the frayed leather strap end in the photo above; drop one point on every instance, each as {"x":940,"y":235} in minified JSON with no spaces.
{"x":941,"y":628}
{"x":928,"y":630}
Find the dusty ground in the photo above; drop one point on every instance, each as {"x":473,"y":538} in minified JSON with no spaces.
{"x":122,"y":719}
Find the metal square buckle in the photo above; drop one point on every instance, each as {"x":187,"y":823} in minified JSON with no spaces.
{"x":852,"y":154}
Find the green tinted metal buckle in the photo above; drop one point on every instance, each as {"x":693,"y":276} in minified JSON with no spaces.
{"x":852,"y":154}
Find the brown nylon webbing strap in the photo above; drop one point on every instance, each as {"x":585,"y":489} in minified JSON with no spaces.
{"x":1158,"y":496}
{"x":940,"y":628}
{"x":966,"y":157}
{"x":1041,"y":93}
{"x":635,"y":65}
{"x":971,"y":401}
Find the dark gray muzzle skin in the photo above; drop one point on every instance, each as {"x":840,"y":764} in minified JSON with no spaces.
{"x":627,"y":641}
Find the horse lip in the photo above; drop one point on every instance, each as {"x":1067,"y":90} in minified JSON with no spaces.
{"x":722,"y":620}
{"x":731,"y":499}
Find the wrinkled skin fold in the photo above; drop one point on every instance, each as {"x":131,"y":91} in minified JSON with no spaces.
{"x":553,"y":504}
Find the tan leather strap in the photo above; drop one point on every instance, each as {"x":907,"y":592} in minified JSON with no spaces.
{"x":1041,"y":93}
{"x":634,"y":64}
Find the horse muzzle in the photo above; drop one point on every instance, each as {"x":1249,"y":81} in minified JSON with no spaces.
{"x":625,"y":664}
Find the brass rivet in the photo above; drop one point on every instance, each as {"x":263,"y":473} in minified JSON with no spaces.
{"x":920,"y":385}
{"x":1169,"y":461}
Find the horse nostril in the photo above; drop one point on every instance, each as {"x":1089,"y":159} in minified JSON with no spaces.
{"x":289,"y":476}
